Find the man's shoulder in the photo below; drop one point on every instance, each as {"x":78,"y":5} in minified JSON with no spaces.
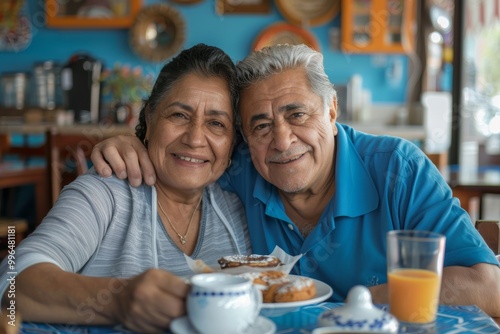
{"x":241,"y":154}
{"x":242,"y":173}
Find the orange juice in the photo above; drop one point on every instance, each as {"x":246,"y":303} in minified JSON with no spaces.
{"x":414,"y":295}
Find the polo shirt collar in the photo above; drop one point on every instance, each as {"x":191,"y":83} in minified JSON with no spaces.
{"x":268,"y":194}
{"x":355,"y":193}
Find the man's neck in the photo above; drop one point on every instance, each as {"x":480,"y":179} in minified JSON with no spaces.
{"x":305,"y":209}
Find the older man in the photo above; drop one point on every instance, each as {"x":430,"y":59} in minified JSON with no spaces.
{"x":327,"y":191}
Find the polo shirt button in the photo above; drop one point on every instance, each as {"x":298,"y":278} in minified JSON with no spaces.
{"x":290,"y":226}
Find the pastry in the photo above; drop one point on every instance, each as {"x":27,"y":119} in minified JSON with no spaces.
{"x":300,"y":288}
{"x":278,"y":287}
{"x":253,"y":260}
{"x":201,"y":267}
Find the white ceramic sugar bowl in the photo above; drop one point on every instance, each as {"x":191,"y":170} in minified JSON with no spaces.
{"x":358,"y":315}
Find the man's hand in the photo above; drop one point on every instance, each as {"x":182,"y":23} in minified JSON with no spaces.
{"x":380,"y":293}
{"x":127,"y":157}
{"x":151,"y":301}
{"x":476,"y":285}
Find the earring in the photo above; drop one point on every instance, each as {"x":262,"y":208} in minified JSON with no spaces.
{"x":146,"y":142}
{"x":229,"y":164}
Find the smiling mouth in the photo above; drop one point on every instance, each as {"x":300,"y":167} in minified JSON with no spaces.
{"x":287,"y":161}
{"x":188,"y":159}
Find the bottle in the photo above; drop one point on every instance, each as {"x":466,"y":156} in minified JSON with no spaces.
{"x":354,"y":96}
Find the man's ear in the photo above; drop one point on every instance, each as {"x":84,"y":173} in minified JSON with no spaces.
{"x":333,"y":116}
{"x":333,"y":111}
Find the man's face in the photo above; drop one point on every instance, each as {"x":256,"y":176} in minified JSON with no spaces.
{"x":289,"y":132}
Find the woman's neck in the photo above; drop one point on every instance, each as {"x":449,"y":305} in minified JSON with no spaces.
{"x":181,"y":216}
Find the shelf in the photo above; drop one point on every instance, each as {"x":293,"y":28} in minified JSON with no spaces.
{"x":71,"y":14}
{"x":370,"y":26}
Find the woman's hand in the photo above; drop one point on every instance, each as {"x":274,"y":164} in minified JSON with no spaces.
{"x":145,"y":303}
{"x":150,"y":301}
{"x":126,"y":156}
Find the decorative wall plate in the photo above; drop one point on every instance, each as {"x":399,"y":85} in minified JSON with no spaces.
{"x":225,"y":7}
{"x":17,"y":38}
{"x":157,"y":33}
{"x":186,"y":2}
{"x":284,"y":33}
{"x":308,"y":13}
{"x":15,"y":26}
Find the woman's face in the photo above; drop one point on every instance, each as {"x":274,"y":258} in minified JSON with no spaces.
{"x":191,"y":133}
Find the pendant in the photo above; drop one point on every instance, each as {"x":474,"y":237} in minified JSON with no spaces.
{"x":183,"y":239}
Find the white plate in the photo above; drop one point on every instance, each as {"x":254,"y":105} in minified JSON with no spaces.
{"x":262,"y":326}
{"x":323,"y":292}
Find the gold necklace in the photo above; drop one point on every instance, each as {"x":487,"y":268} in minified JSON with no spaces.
{"x":182,"y":238}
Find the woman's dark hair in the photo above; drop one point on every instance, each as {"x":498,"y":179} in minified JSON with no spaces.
{"x":201,"y":59}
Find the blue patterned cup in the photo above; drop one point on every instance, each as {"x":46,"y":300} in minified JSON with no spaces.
{"x":222,"y":303}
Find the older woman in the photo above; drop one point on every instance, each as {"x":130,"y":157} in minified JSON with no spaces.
{"x":111,"y":253}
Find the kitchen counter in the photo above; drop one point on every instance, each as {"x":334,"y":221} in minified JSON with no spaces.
{"x":91,"y":130}
{"x":410,"y":132}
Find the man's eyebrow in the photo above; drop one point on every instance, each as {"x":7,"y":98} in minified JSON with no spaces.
{"x":258,"y":117}
{"x":290,"y":106}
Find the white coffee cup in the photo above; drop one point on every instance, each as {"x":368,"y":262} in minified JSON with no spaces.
{"x":222,"y":304}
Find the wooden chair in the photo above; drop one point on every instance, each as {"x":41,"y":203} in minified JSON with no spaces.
{"x":70,"y":149}
{"x":487,"y":160}
{"x":20,"y":173}
{"x":24,"y":152}
{"x":12,"y":229}
{"x":490,"y":231}
{"x":67,"y":158}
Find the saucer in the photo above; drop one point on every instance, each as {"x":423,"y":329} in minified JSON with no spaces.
{"x":262,"y":325}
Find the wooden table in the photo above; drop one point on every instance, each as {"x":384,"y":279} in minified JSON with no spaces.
{"x":470,"y":185}
{"x":63,"y":138}
{"x":460,"y":319}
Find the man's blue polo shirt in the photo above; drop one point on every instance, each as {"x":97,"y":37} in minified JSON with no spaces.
{"x":382,"y":183}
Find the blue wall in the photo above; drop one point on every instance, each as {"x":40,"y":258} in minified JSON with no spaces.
{"x":233,"y":33}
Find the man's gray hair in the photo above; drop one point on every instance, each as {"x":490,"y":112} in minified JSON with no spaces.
{"x":278,"y":58}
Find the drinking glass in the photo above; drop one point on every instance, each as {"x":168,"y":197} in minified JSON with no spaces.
{"x":414,"y":270}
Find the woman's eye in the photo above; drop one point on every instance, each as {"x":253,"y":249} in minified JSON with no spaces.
{"x":218,"y":124}
{"x":179,"y":115}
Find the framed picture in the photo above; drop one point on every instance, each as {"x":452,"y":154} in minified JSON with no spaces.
{"x":225,"y":7}
{"x":91,"y":13}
